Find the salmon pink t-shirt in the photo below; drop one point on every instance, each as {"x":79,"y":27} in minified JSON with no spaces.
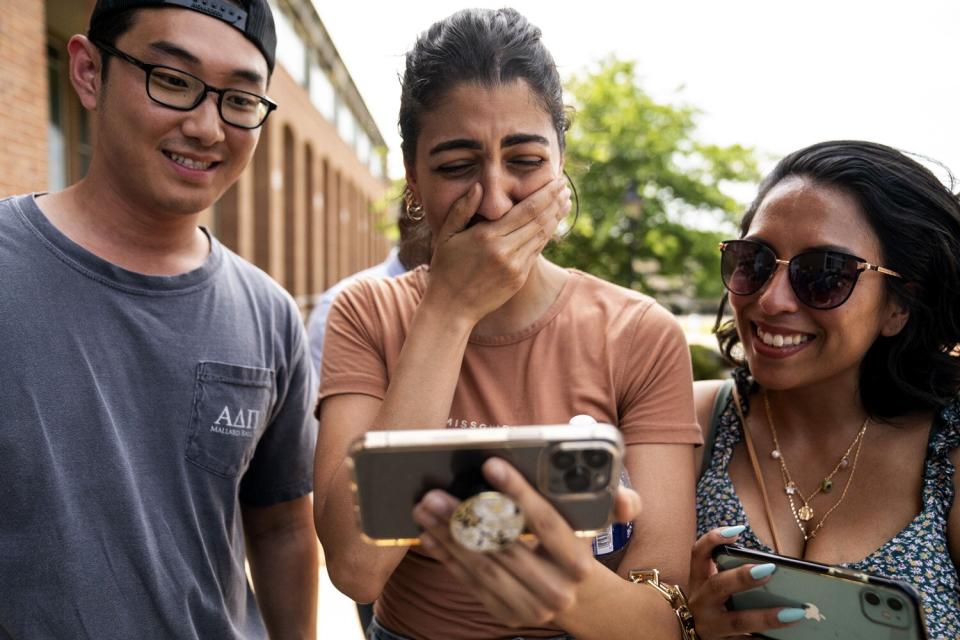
{"x":599,"y":349}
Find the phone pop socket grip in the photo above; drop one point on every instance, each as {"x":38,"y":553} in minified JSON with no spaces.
{"x":488,"y":521}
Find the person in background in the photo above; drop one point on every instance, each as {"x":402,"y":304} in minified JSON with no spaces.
{"x":412,"y":251}
{"x":156,"y":388}
{"x":491,"y":333}
{"x":847,"y":380}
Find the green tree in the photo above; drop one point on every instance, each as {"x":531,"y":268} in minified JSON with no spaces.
{"x":642,"y":177}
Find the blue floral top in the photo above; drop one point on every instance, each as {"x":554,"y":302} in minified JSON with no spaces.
{"x":919,"y":554}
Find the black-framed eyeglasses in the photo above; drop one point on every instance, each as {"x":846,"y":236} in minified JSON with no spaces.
{"x":820,"y":279}
{"x":182,"y":91}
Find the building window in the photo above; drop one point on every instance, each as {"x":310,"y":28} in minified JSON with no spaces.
{"x":376,"y":163}
{"x":262,"y":190}
{"x":68,"y":124}
{"x":363,"y":146}
{"x":290,"y":235}
{"x":310,"y":208}
{"x":291,"y":51}
{"x":347,"y":127}
{"x":57,"y":149}
{"x":322,"y":94}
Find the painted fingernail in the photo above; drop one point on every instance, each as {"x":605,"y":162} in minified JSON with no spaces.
{"x":761,"y":571}
{"x":733,"y":532}
{"x":791,"y":615}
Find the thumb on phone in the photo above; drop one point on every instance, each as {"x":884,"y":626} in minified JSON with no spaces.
{"x":702,"y":565}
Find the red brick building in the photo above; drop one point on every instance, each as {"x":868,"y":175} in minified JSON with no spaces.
{"x":310,"y":209}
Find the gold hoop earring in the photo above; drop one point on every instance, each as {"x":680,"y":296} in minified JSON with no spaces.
{"x":414,"y":210}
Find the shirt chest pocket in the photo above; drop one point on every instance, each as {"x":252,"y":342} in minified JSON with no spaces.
{"x":231,"y":406}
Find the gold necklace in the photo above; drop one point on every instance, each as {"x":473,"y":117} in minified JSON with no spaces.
{"x":805,"y":513}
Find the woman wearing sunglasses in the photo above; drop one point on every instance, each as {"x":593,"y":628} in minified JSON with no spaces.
{"x":837,"y":438}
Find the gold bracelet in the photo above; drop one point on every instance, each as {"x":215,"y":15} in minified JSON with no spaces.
{"x":674,"y":595}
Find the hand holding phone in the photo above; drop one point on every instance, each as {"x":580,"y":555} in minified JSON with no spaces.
{"x":710,"y":590}
{"x":526,"y":584}
{"x":576,"y":468}
{"x":822,"y":601}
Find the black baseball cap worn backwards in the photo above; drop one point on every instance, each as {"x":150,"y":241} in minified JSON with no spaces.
{"x":255,"y":21}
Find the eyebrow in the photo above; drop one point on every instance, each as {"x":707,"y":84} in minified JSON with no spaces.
{"x":473,"y":145}
{"x":170,"y":49}
{"x":523,"y":138}
{"x":458,"y":143}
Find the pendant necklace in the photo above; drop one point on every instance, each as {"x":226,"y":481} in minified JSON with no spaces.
{"x":805,"y":513}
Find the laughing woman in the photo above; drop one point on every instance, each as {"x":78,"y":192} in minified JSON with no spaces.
{"x":847,"y":385}
{"x":492,"y":333}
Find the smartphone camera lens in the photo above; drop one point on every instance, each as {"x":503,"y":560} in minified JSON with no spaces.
{"x":872,"y":598}
{"x":600,"y":480}
{"x":563,"y":459}
{"x":577,"y":479}
{"x":894,"y":604}
{"x":596,"y":458}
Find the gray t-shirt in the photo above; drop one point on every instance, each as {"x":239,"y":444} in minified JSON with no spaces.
{"x":136,"y":414}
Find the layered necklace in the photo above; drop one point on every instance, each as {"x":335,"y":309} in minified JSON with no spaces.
{"x":804,"y":513}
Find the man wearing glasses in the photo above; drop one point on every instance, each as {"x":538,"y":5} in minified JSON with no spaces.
{"x":156,"y":390}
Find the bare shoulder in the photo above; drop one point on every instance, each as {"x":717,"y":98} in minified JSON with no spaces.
{"x":704,"y":395}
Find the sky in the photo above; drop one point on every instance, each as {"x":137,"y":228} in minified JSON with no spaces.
{"x":773,"y":75}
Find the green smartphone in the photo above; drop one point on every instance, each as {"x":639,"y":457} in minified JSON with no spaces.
{"x":841,"y":604}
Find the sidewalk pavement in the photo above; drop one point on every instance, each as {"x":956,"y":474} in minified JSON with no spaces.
{"x":337,"y":614}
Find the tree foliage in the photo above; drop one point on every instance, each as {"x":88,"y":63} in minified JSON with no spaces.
{"x":643,"y":179}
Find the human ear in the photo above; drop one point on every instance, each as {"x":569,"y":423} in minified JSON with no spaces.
{"x":85,"y":64}
{"x":897,"y":315}
{"x":411,"y":176}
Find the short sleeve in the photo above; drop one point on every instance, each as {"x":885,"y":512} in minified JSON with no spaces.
{"x":353,"y":359}
{"x":282,"y":465}
{"x":655,"y":383}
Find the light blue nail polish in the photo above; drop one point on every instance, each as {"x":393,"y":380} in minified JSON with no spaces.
{"x":791,"y":615}
{"x":761,"y":571}
{"x":733,"y":532}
